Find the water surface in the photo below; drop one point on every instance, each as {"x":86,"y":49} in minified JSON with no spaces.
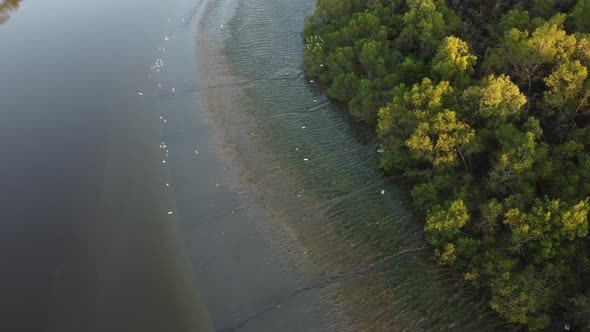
{"x":161,"y":155}
{"x":312,"y":172}
{"x":86,"y":243}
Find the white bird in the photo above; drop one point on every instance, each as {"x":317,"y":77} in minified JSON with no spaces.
{"x":305,"y":159}
{"x":165,"y":121}
{"x":161,"y":117}
{"x":167,"y":185}
{"x":172,"y":90}
{"x":196,"y":151}
{"x":382,"y":192}
{"x":139,"y":93}
{"x":163,"y":161}
{"x":302,"y":127}
{"x":170,"y":212}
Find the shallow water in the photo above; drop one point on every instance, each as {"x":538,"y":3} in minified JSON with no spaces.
{"x":311,"y":172}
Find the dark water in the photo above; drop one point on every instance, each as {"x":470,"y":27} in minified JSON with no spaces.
{"x":85,"y":240}
{"x":155,"y":151}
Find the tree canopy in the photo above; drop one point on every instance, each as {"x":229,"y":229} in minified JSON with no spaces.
{"x":483,"y":107}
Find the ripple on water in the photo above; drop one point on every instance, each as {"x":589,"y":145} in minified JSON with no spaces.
{"x":316,"y":176}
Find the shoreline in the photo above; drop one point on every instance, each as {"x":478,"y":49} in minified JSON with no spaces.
{"x":300,"y":221}
{"x":219,"y":94}
{"x":317,"y":255}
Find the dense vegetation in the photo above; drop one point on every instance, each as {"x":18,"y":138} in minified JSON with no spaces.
{"x":483,"y":107}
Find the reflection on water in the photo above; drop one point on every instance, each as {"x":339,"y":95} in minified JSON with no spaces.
{"x":6,"y":6}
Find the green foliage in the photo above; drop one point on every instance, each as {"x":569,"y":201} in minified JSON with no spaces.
{"x":524,"y":55}
{"x":495,"y":101}
{"x":540,"y":232}
{"x":580,"y":16}
{"x":340,"y":62}
{"x":411,"y":70}
{"x":523,"y":297}
{"x":410,"y":106}
{"x":344,"y":86}
{"x":443,"y":222}
{"x":328,"y":11}
{"x":441,"y":140}
{"x":453,"y":62}
{"x":514,"y":19}
{"x":542,"y":8}
{"x":423,"y":27}
{"x":490,"y":214}
{"x":496,"y":151}
{"x":424,"y":196}
{"x":567,"y":172}
{"x":314,"y":55}
{"x":513,"y":162}
{"x":447,"y":255}
{"x":567,"y":96}
{"x":364,"y":26}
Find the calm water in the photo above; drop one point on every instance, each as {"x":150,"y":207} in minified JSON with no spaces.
{"x":167,"y":167}
{"x":86,"y":243}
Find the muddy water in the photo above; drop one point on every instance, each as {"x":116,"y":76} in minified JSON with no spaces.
{"x":305,"y":178}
